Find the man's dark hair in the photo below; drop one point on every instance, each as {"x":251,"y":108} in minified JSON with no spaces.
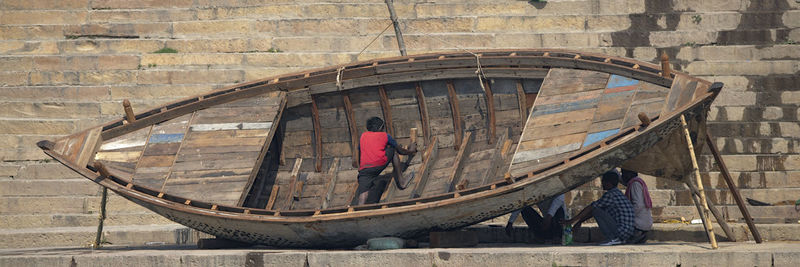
{"x":374,"y":124}
{"x":611,"y":178}
{"x":628,"y":174}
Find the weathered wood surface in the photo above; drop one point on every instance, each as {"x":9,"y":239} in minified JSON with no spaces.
{"x":458,"y":163}
{"x":422,"y":173}
{"x":576,"y":109}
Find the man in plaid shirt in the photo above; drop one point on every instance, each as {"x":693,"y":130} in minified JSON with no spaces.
{"x":613,"y":212}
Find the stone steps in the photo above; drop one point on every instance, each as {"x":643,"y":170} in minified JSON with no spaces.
{"x":760,"y":214}
{"x":139,"y":235}
{"x":65,"y":205}
{"x":55,"y":219}
{"x":720,"y":196}
{"x":174,"y":234}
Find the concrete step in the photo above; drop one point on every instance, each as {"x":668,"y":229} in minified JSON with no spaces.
{"x":170,"y":234}
{"x":54,"y":219}
{"x":43,"y":188}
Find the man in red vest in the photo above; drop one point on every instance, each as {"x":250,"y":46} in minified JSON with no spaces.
{"x":377,"y":150}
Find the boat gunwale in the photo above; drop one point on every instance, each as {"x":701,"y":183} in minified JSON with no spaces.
{"x":369,"y":68}
{"x":469,"y":194}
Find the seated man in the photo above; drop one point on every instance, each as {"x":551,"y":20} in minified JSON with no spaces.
{"x":613,"y":212}
{"x":637,"y":193}
{"x":544,"y":228}
{"x":377,"y":149}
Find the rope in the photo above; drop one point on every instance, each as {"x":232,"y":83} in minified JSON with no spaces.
{"x":478,"y":72}
{"x":341,"y":69}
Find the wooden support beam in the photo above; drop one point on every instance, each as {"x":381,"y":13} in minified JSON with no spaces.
{"x":423,"y":114}
{"x":293,"y":183}
{"x":317,"y":135}
{"x":387,"y":110}
{"x":497,"y":158}
{"x":458,"y":132}
{"x":421,"y":176}
{"x":458,"y":163}
{"x":351,"y":122}
{"x":490,"y":108}
{"x":732,"y":188}
{"x":523,"y":106}
{"x":129,"y":116}
{"x":331,"y":176}
{"x":272,"y":197}
{"x":696,"y":171}
{"x":720,"y":219}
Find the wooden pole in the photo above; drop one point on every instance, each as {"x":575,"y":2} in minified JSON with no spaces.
{"x":393,"y":16}
{"x":734,"y":191}
{"x":696,"y":170}
{"x":98,"y":242}
{"x":714,"y":211}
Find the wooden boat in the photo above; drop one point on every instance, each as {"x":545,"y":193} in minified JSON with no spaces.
{"x":271,"y":161}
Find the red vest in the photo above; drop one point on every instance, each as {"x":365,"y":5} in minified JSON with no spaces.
{"x":373,"y":149}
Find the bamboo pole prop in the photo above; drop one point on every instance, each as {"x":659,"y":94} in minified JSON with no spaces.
{"x":696,"y":170}
{"x":735,"y":192}
{"x":714,"y":211}
{"x":98,"y":242}
{"x":393,"y":16}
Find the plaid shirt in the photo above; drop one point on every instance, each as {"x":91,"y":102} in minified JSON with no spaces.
{"x":619,"y":207}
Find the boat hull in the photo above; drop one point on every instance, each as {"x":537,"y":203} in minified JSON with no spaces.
{"x":351,"y":229}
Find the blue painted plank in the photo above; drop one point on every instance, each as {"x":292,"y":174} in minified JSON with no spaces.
{"x":165,"y":138}
{"x":596,"y":137}
{"x":564,"y":107}
{"x":619,"y":81}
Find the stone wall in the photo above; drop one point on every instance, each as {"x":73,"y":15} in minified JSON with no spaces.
{"x":66,"y":65}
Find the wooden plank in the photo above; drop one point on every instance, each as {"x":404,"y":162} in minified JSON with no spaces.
{"x":331,"y":176}
{"x":421,"y":176}
{"x":497,"y":158}
{"x":317,"y":135}
{"x":458,"y":132}
{"x":732,"y":188}
{"x":293,"y":184}
{"x":387,"y":110}
{"x":297,"y":193}
{"x":423,"y":114}
{"x":490,"y":107}
{"x":272,"y":197}
{"x":391,"y":186}
{"x":523,"y":109}
{"x":458,"y":163}
{"x":351,"y":122}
